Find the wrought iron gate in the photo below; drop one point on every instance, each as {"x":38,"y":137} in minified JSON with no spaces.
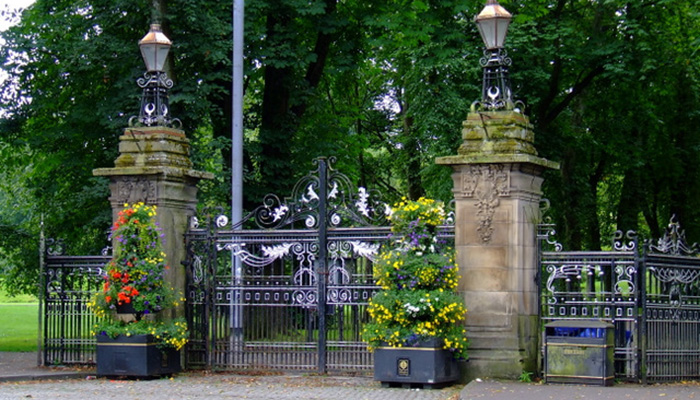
{"x":68,"y":284}
{"x":671,"y":278}
{"x":292,"y":292}
{"x":651,"y":295}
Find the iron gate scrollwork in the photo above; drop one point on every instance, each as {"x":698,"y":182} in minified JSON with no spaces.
{"x":672,"y":307}
{"x":595,"y":285}
{"x":651,"y":293}
{"x":288,"y":286}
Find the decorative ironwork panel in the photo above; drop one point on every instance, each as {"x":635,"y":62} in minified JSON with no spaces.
{"x":602,"y":285}
{"x":291,"y":290}
{"x":652,"y":295}
{"x":345,"y":205}
{"x":672,"y":307}
{"x":69,"y":284}
{"x":268,"y":315}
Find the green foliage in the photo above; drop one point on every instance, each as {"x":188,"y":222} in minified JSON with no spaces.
{"x":5,"y":298}
{"x":612,"y":88}
{"x":20,"y":222}
{"x":525,"y":377}
{"x":418,"y":278}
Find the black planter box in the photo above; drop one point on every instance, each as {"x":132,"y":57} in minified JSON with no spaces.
{"x":427,"y":364}
{"x":579,"y":352}
{"x":135,"y":356}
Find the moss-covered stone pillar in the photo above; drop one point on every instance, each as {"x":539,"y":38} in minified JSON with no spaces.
{"x":497,"y":180}
{"x":154,"y":167}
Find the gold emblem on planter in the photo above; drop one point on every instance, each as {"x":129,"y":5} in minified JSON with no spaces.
{"x":403,"y":367}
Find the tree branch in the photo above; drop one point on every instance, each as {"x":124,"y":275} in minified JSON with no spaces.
{"x":578,"y":88}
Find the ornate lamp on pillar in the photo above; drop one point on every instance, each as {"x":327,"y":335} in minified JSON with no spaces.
{"x":497,"y":180}
{"x":493,"y":23}
{"x":153,"y":165}
{"x":155,"y":107}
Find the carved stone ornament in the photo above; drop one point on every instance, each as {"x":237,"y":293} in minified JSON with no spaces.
{"x":486,"y":183}
{"x":135,"y":189}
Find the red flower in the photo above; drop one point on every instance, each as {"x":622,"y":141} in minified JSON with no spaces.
{"x":124,"y":296}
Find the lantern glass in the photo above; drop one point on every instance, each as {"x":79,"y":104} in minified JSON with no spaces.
{"x":493,"y":23}
{"x":155,"y":47}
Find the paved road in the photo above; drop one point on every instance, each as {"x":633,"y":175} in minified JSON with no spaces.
{"x":521,"y":391}
{"x":227,"y":387}
{"x":21,"y":379}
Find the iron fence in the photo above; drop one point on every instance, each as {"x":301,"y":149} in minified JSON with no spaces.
{"x":269,"y":316}
{"x":650,"y":294}
{"x":69,"y":282}
{"x":290,"y":289}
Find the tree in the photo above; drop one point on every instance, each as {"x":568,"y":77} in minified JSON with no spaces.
{"x":605,"y":102}
{"x":611,"y":86}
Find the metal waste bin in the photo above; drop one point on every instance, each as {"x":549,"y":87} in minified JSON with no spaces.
{"x":580,"y":352}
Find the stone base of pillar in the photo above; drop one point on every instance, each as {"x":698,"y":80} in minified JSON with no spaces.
{"x":503,"y":354}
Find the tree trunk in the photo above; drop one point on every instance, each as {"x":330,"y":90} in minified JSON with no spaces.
{"x":279,"y":119}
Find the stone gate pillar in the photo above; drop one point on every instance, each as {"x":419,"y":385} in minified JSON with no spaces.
{"x":154,"y":167}
{"x":497,"y":180}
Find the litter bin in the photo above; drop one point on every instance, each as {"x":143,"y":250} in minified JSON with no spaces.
{"x":580,"y":352}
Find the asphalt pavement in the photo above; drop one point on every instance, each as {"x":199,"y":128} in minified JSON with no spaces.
{"x":20,"y":378}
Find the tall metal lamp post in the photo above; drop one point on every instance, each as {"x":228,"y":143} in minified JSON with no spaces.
{"x":155,"y":107}
{"x":493,"y":21}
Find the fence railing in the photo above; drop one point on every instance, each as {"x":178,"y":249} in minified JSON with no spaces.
{"x":69,"y":282}
{"x":650,"y":293}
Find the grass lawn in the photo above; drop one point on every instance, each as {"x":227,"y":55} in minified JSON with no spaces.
{"x":18,"y":322}
{"x":18,"y":326}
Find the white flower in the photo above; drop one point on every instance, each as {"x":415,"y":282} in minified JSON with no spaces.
{"x":411,"y":308}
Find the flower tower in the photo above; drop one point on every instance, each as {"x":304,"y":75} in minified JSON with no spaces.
{"x":135,"y":285}
{"x":417,"y":307}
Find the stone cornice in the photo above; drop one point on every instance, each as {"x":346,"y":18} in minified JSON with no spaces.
{"x":497,"y":159}
{"x":173,"y":172}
